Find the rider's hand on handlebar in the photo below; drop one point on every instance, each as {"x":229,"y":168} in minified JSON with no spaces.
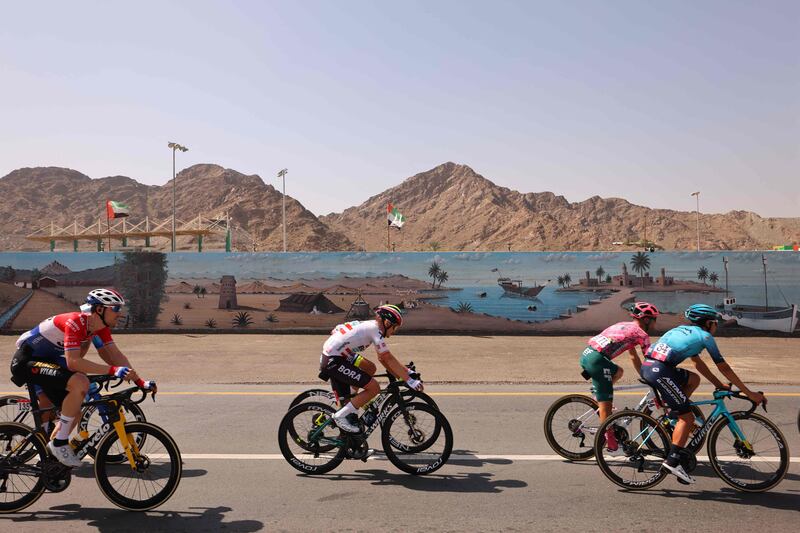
{"x":756,"y":397}
{"x":147,"y":385}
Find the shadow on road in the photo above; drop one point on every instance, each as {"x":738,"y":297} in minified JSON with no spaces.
{"x":462,"y":482}
{"x":118,"y":520}
{"x":768,"y":500}
{"x":88,"y":473}
{"x":468,"y":458}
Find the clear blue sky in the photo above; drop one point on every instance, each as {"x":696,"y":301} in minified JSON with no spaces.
{"x":648,"y":100}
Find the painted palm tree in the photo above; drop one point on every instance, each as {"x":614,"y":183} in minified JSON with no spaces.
{"x":560,"y":281}
{"x":433,"y":272}
{"x":702,"y":274}
{"x":442,"y":277}
{"x":567,"y":279}
{"x":600,"y":272}
{"x":640,"y":263}
{"x":713,"y":278}
{"x":196,"y":290}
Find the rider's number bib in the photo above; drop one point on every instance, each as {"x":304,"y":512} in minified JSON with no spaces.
{"x":660,"y":352}
{"x":599,"y":342}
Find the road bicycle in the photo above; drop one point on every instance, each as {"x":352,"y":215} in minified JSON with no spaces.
{"x":16,"y":408}
{"x":571,"y":422}
{"x":746,"y":449}
{"x":416,"y":436}
{"x":146,"y":478}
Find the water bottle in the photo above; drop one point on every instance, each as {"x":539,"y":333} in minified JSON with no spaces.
{"x":370,"y":416}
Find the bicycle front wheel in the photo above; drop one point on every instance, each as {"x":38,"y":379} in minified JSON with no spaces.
{"x":643,"y":447}
{"x":308,"y":439}
{"x":153,"y":477}
{"x":93,"y":418}
{"x":409,"y":442}
{"x":754,"y":465}
{"x":569,"y":426}
{"x":22,"y":454}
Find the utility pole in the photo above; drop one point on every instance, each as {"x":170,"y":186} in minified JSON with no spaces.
{"x":282,"y":174}
{"x":174,"y":147}
{"x":697,"y":195}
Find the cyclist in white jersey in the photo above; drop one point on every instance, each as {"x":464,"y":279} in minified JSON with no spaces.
{"x":342,"y":361}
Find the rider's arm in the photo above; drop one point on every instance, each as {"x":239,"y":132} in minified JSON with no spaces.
{"x":76,"y":363}
{"x":728,"y":372}
{"x":701,"y":367}
{"x":395,"y":367}
{"x":637,"y":363}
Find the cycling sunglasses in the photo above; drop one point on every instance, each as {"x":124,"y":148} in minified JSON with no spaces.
{"x":114,"y":308}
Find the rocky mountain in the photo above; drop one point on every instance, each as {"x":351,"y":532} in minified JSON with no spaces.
{"x":449,"y":207}
{"x":454,"y":208}
{"x":32,"y":197}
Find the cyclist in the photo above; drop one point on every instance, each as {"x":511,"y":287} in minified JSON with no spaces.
{"x":675,"y":385}
{"x":342,"y":361}
{"x":51,"y":355}
{"x":596,"y":359}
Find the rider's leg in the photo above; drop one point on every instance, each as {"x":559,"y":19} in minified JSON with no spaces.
{"x":77,"y":387}
{"x":369,"y":392}
{"x":691,"y":384}
{"x":48,"y":413}
{"x":604,"y":407}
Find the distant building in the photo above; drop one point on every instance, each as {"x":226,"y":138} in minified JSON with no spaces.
{"x":588,"y":281}
{"x":626,"y":280}
{"x":227,"y":293}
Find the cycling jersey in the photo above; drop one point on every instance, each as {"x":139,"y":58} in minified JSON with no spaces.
{"x":351,"y":338}
{"x":678,"y":344}
{"x":67,"y":331}
{"x":619,"y":338}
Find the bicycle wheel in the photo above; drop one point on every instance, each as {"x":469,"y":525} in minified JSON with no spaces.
{"x":756,"y":465}
{"x":154,"y":477}
{"x":14,"y":408}
{"x":309,"y":440}
{"x":314,"y":395}
{"x":92,"y":420}
{"x":409,"y":428}
{"x":22,"y":454}
{"x":643,"y":446}
{"x":568,"y":423}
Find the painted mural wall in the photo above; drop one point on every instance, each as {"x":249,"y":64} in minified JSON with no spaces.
{"x":495,"y":292}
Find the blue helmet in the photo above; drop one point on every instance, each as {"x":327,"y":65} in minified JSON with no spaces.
{"x":700,"y":313}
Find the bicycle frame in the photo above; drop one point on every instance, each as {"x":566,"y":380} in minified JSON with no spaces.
{"x":647,"y":400}
{"x":719,"y":410}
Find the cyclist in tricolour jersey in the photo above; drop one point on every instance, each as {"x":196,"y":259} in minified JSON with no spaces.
{"x":51,"y":355}
{"x":675,"y":385}
{"x":596,"y":359}
{"x":342,"y":361}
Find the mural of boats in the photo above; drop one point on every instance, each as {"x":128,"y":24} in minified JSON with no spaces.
{"x":760,"y":317}
{"x":514,"y":287}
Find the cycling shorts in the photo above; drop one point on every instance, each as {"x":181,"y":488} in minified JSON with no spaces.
{"x":344,"y":373}
{"x":50,"y":377}
{"x":668,"y":381}
{"x":601,"y":369}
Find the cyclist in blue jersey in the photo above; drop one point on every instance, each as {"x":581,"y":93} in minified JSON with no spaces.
{"x":675,"y":385}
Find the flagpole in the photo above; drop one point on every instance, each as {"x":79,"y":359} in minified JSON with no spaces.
{"x":108,"y":223}
{"x":388,"y":227}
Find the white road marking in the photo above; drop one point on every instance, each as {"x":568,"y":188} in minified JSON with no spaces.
{"x":380,"y":456}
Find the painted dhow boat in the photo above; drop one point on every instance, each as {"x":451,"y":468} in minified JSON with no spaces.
{"x":513,"y":287}
{"x":760,"y":317}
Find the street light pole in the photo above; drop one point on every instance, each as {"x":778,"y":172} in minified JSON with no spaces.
{"x":174,"y":147}
{"x":697,"y":195}
{"x":282,"y":174}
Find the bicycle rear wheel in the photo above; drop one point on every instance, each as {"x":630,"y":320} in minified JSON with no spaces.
{"x":308,"y":439}
{"x":643,"y":447}
{"x":755,"y":465}
{"x":14,"y":408}
{"x":569,"y":423}
{"x":151,"y":480}
{"x":409,"y":442}
{"x":22,"y":454}
{"x":314,"y":395}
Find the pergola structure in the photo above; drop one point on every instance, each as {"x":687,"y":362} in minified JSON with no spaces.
{"x":123,"y":230}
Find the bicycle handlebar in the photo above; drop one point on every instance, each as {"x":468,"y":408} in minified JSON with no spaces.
{"x":735,"y":393}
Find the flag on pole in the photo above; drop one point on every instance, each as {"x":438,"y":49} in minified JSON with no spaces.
{"x":394,"y":217}
{"x":116,"y":209}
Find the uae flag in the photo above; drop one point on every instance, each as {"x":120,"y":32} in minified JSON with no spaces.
{"x":394,"y":217}
{"x":116,"y":209}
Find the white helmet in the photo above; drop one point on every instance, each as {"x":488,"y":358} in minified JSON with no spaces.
{"x":105,"y":297}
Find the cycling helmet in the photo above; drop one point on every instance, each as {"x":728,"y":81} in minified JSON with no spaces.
{"x":700,"y":313}
{"x":644,"y":309}
{"x":105,"y":297}
{"x":391,"y":313}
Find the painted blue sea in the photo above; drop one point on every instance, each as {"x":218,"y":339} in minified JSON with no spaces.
{"x":549,"y":304}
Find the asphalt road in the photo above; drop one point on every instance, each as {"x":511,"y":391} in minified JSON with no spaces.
{"x":502,"y":476}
